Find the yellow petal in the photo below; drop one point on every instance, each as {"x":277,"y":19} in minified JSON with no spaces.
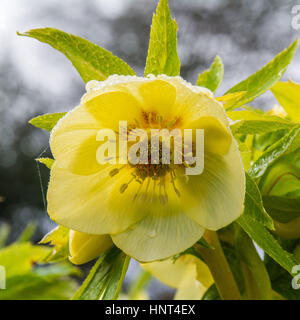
{"x":164,"y":231}
{"x":203,"y":273}
{"x":167,"y":271}
{"x":91,"y":204}
{"x":193,"y":103}
{"x":86,"y":247}
{"x":215,"y":198}
{"x":76,"y":151}
{"x":73,"y":142}
{"x":188,"y":274}
{"x":111,"y":107}
{"x":172,"y":272}
{"x":158,"y":96}
{"x":190,"y":288}
{"x":217,"y":138}
{"x":197,"y":109}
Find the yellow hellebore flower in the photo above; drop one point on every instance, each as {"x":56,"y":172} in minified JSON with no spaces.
{"x":188,"y":274}
{"x":151,"y":211}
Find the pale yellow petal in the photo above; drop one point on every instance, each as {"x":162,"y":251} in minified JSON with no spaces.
{"x":203,"y":273}
{"x":167,"y":271}
{"x":171,"y":272}
{"x":195,"y":108}
{"x":76,"y":151}
{"x":73,"y":142}
{"x":215,"y":198}
{"x":190,"y":288}
{"x":111,"y":107}
{"x":164,"y":231}
{"x":159,"y":97}
{"x":217,"y":137}
{"x":193,"y":103}
{"x":92,"y":204}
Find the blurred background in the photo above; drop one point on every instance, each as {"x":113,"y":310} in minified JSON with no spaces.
{"x":35,"y":79}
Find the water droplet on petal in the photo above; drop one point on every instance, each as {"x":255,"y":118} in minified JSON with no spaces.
{"x":91,"y":85}
{"x":152,"y":234}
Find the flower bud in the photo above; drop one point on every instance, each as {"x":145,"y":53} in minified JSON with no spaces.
{"x":86,"y":247}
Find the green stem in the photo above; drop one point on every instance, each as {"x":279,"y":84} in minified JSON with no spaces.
{"x":219,"y":267}
{"x":257,"y":281}
{"x":250,"y":286}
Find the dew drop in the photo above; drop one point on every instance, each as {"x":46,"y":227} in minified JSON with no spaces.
{"x":152,"y":234}
{"x":91,"y":85}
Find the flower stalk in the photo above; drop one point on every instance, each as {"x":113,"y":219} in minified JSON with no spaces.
{"x":219,"y":267}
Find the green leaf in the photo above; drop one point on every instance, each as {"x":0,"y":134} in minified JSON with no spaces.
{"x":59,"y":239}
{"x":282,"y":209}
{"x":282,"y":178}
{"x":282,"y":285}
{"x":116,"y":279}
{"x":162,"y":53}
{"x":288,"y":95}
{"x":204,"y":243}
{"x":91,"y":61}
{"x":31,"y":286}
{"x":57,"y":236}
{"x":26,"y":280}
{"x":47,"y":121}
{"x":212,"y":77}
{"x":28,"y":232}
{"x":61,"y":269}
{"x":261,"y":142}
{"x":42,"y":283}
{"x":265,"y":78}
{"x":281,"y":281}
{"x":287,"y":143}
{"x":245,"y":151}
{"x":258,"y":126}
{"x":255,"y":122}
{"x":253,"y":207}
{"x":267,"y":242}
{"x":105,"y":278}
{"x":58,"y":254}
{"x":18,"y":258}
{"x":211,"y":293}
{"x":230,"y":99}
{"x":48,"y":162}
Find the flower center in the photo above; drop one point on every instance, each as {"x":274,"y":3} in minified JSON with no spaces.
{"x":157,"y":152}
{"x":160,"y":153}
